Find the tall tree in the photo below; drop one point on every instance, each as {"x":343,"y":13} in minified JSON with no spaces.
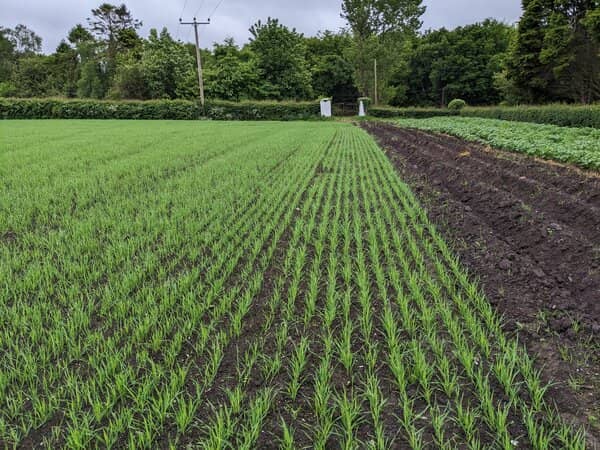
{"x":233,"y":73}
{"x":435,"y":73}
{"x":109,"y":21}
{"x":7,"y":55}
{"x":115,"y":30}
{"x":24,"y":40}
{"x":331,"y":68}
{"x":381,"y":29}
{"x":556,"y":54}
{"x":281,"y":60}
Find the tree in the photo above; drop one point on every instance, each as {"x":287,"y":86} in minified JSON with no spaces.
{"x":63,"y":71}
{"x":162,"y":68}
{"x":233,"y":73}
{"x":281,"y":61}
{"x":110,"y":21}
{"x":332,"y":71}
{"x":381,"y":17}
{"x":444,"y":64}
{"x":7,"y":55}
{"x":24,"y":40}
{"x":556,"y":56}
{"x":592,"y":23}
{"x":381,"y":29}
{"x":115,"y":29}
{"x":168,"y":66}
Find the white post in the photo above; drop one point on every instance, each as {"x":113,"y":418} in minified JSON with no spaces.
{"x":361,"y":109}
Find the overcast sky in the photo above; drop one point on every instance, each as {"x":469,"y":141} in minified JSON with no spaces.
{"x":52,"y":19}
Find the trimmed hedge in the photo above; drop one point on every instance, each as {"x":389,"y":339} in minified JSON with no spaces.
{"x":96,"y":109}
{"x":154,"y":110}
{"x":410,"y":113}
{"x":220,"y":110}
{"x":561,"y":115}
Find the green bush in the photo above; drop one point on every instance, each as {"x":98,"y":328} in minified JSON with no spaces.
{"x":11,"y":108}
{"x":96,"y":109}
{"x":409,"y":113}
{"x":7,"y":89}
{"x":561,"y":115}
{"x":221,"y":110}
{"x":457,"y":104}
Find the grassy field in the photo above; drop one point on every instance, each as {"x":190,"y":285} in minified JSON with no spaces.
{"x":579,"y":146}
{"x":243,"y":285}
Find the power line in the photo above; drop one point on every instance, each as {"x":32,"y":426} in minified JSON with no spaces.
{"x":216,"y":7}
{"x":199,"y":8}
{"x":180,"y":15}
{"x":183,"y":9}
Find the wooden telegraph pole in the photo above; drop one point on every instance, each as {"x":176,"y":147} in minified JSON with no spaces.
{"x":195,"y":23}
{"x":375,"y":99}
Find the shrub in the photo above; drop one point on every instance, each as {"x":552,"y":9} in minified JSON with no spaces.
{"x":561,"y":115}
{"x":409,"y":113}
{"x":7,"y":89}
{"x":457,"y":104}
{"x":49,"y":108}
{"x":222,"y":110}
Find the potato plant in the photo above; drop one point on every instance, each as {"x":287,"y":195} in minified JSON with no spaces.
{"x":578,"y":146}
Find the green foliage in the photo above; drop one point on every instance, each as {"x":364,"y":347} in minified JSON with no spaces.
{"x":381,"y":29}
{"x":7,"y":55}
{"x":444,"y":64}
{"x":166,"y":66}
{"x":280,"y":54}
{"x":416,"y":113}
{"x":90,"y":109}
{"x":248,"y":110}
{"x":288,"y":259}
{"x":377,"y":17}
{"x":579,"y":146}
{"x":7,"y":89}
{"x":457,"y":104}
{"x":556,"y":56}
{"x":331,"y":67}
{"x":23,"y":40}
{"x":560,"y":114}
{"x":233,"y":73}
{"x":155,"y":109}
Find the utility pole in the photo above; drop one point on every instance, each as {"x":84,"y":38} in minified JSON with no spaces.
{"x":195,"y":23}
{"x":375,"y":101}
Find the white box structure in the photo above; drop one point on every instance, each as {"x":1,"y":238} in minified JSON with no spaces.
{"x":326,"y":107}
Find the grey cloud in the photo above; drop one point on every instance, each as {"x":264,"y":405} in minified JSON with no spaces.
{"x":53,"y":19}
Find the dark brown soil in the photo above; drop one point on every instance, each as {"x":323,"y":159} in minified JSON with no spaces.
{"x":530,"y":230}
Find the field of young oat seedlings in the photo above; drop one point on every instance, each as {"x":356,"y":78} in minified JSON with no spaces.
{"x":241,"y":285}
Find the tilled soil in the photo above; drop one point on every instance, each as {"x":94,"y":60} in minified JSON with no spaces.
{"x":530,"y":231}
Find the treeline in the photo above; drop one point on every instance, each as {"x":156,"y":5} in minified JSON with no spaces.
{"x":552,"y":55}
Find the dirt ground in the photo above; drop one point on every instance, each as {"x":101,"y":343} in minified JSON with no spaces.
{"x":530,"y":231}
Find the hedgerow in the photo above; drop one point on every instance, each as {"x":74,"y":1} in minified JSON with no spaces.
{"x":561,"y":115}
{"x":55,"y":108}
{"x":383,"y":112}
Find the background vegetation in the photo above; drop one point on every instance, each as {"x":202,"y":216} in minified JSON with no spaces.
{"x":552,"y":55}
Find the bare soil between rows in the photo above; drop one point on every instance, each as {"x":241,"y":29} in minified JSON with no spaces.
{"x":530,"y":231}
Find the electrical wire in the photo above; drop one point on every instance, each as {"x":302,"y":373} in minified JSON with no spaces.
{"x":214,"y":10}
{"x":199,"y":8}
{"x":180,"y":16}
{"x":183,"y":9}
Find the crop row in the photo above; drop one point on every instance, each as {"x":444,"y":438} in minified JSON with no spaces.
{"x":579,"y":146}
{"x":279,"y":285}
